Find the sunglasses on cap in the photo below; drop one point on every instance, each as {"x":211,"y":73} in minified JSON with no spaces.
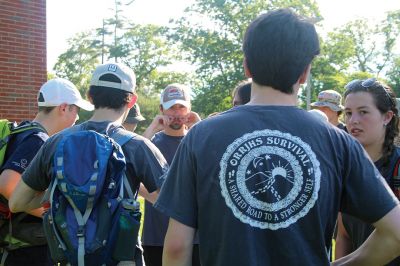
{"x":368,"y":85}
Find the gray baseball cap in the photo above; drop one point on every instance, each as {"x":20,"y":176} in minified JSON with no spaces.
{"x":124,"y":73}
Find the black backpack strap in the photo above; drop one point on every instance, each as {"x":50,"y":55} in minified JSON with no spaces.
{"x":23,"y":131}
{"x":396,"y":180}
{"x":15,"y":129}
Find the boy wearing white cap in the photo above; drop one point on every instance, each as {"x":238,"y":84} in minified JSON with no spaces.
{"x":112,"y":92}
{"x":59,"y":102}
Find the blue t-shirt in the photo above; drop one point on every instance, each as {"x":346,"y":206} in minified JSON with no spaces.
{"x":263,"y":186}
{"x":155,"y":223}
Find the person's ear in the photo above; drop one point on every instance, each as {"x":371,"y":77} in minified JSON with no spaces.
{"x":161,"y":108}
{"x":246,"y":69}
{"x":388,"y":117}
{"x":304,"y":76}
{"x":62,"y":107}
{"x":132,"y":101}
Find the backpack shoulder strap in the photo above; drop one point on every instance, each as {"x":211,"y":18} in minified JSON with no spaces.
{"x":122,"y":136}
{"x":396,"y":179}
{"x":15,"y":129}
{"x":396,"y":168}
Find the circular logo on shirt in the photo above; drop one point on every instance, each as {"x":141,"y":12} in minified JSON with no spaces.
{"x":269,"y":179}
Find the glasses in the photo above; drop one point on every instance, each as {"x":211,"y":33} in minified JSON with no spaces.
{"x":368,"y":84}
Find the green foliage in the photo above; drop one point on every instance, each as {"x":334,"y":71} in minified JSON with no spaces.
{"x":149,"y":107}
{"x":50,"y":76}
{"x":394,"y":76}
{"x":145,"y":49}
{"x":78,"y":62}
{"x":208,"y":40}
{"x":356,"y":50}
{"x":212,"y":43}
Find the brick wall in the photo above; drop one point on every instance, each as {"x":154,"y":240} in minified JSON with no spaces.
{"x":22,"y":56}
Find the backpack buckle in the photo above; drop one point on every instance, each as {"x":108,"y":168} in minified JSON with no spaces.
{"x":80,"y":232}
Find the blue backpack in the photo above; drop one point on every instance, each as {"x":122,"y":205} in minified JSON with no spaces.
{"x":94,"y":217}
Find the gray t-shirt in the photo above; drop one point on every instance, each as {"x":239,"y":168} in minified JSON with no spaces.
{"x":263,"y":186}
{"x":145,"y":164}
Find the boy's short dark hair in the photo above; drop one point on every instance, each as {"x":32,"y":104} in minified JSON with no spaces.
{"x":278,"y":46}
{"x":46,"y":109}
{"x":243,"y":89}
{"x":106,"y":97}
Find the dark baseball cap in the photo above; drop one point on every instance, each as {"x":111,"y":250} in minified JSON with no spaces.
{"x":134,"y":115}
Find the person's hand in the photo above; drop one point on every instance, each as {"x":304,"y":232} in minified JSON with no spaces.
{"x":192,"y":119}
{"x":158,"y":124}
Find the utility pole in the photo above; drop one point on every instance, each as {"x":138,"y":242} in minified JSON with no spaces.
{"x":308,"y":92}
{"x":115,"y":28}
{"x":102,"y":44}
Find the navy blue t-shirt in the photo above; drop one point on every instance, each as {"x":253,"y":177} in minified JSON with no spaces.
{"x":23,"y":147}
{"x":155,"y":223}
{"x":263,"y":186}
{"x":359,"y":231}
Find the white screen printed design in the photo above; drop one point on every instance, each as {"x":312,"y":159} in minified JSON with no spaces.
{"x":269,"y":179}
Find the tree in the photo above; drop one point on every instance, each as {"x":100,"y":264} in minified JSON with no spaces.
{"x":390,"y":30}
{"x":394,"y":76}
{"x":78,"y":62}
{"x":149,"y":107}
{"x":358,"y":49}
{"x":145,"y":49}
{"x":117,"y":24}
{"x":212,"y":43}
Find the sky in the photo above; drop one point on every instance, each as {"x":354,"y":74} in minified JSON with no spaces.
{"x":65,"y":18}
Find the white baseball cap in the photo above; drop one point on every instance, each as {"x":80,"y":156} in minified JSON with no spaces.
{"x":58,"y":91}
{"x":175,"y":94}
{"x":124,"y":73}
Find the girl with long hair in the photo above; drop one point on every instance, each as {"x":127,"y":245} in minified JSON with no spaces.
{"x":372,"y":118}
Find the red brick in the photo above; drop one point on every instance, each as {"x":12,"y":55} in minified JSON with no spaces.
{"x":22,"y":57}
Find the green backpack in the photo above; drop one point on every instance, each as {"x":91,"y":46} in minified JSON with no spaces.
{"x":7,"y":129}
{"x":16,"y":234}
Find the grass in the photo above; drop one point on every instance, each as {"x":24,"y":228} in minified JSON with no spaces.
{"x":141,"y":201}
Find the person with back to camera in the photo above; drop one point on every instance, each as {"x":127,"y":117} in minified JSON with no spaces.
{"x":259,"y":186}
{"x":241,"y":93}
{"x":372,"y":118}
{"x":112,"y":92}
